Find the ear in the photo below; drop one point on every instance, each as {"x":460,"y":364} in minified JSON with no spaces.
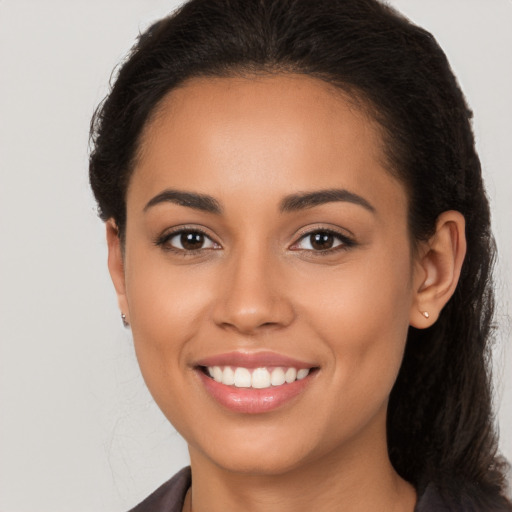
{"x":116,"y":265}
{"x":437,"y":269}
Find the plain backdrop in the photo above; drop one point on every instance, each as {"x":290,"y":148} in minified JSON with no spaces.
{"x":78,"y":429}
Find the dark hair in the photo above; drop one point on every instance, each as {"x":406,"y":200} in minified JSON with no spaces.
{"x":440,"y":423}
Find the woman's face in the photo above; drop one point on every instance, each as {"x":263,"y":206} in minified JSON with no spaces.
{"x":264,"y":234}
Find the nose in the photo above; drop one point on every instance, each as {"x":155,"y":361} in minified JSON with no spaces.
{"x":252,"y":296}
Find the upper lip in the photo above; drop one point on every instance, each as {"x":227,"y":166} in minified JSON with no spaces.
{"x":253,"y":360}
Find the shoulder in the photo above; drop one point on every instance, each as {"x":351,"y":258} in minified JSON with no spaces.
{"x":431,"y":500}
{"x":168,"y":497}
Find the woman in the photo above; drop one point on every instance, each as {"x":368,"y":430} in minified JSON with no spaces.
{"x":299,"y":239}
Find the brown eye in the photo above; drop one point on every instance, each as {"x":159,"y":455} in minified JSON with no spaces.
{"x":322,"y":241}
{"x":192,"y":241}
{"x":187,"y":241}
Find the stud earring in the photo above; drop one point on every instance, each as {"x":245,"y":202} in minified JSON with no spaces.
{"x":123,"y":319}
{"x":425,"y":314}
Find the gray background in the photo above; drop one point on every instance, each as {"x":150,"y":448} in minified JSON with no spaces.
{"x":78,"y":430}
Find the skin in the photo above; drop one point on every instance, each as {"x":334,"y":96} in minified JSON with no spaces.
{"x":257,"y":284}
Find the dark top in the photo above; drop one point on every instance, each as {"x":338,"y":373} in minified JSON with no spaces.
{"x":171,"y":495}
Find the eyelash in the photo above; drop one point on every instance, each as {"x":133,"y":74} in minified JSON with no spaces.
{"x":163,"y":241}
{"x":345,"y":241}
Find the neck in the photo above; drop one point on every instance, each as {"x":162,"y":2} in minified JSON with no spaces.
{"x":355,"y":478}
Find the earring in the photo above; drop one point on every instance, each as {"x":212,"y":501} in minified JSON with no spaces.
{"x":425,"y":314}
{"x":123,"y":319}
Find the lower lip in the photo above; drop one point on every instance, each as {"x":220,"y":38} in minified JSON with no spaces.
{"x":250,"y":400}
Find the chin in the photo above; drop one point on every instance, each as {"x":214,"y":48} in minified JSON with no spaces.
{"x":258,"y":464}
{"x":257,"y":453}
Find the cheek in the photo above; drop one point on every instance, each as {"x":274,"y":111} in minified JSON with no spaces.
{"x":162,"y":294}
{"x":166,"y":306}
{"x":361,"y":313}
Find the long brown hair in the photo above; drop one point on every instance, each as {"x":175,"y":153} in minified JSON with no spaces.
{"x":440,"y":421}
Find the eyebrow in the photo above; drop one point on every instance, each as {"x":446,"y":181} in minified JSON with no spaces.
{"x":200,"y":202}
{"x":291,"y":203}
{"x":306,"y":200}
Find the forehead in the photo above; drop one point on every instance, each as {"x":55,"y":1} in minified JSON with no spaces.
{"x":290,"y":105}
{"x":265,"y":134}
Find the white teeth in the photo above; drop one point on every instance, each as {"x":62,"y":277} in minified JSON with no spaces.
{"x":259,"y":378}
{"x":228,"y":376}
{"x":277,"y":378}
{"x":242,"y":378}
{"x":217,"y":373}
{"x":302,"y":373}
{"x":290,"y":375}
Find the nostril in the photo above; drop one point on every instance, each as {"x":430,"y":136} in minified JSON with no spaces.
{"x":250,"y":295}
{"x":266,"y":315}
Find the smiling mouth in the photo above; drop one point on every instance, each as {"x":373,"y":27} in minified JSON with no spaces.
{"x":255,"y":378}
